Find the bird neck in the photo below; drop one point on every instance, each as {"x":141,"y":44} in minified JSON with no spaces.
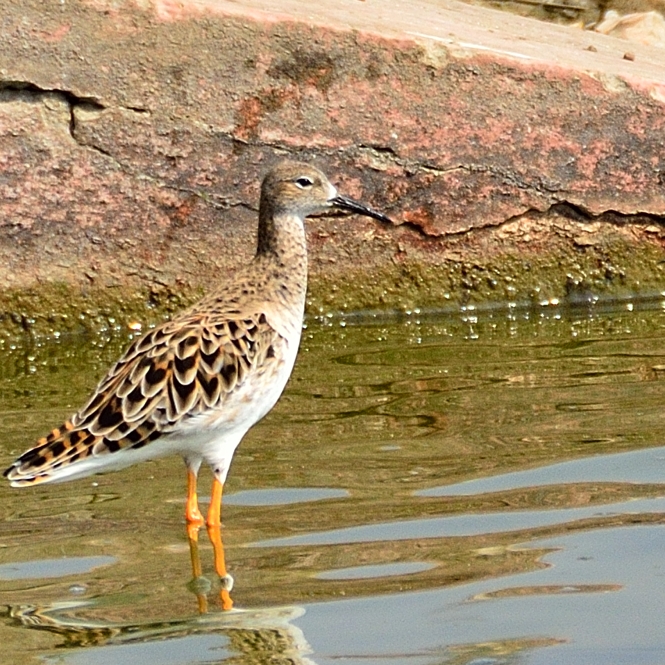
{"x":281,"y":234}
{"x":282,"y":249}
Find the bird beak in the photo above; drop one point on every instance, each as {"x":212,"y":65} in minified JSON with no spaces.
{"x":344,"y":203}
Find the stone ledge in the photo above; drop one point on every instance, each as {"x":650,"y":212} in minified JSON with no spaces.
{"x":134,"y":137}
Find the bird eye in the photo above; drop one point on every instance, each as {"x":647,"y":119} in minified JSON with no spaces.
{"x":303,"y":182}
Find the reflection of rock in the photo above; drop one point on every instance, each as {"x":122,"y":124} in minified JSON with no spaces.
{"x":642,"y":27}
{"x":262,"y":635}
{"x":505,"y":651}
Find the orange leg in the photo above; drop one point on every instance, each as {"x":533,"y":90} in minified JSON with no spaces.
{"x":215,"y":508}
{"x":192,"y":512}
{"x":215,"y":535}
{"x":214,"y":522}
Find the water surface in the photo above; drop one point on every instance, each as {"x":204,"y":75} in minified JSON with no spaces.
{"x":472,"y":488}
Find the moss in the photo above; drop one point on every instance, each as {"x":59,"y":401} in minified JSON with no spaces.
{"x":567,"y":273}
{"x":57,"y":308}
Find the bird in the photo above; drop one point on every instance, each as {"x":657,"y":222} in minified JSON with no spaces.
{"x":194,"y":385}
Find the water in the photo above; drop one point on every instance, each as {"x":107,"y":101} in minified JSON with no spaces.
{"x":477,"y":489}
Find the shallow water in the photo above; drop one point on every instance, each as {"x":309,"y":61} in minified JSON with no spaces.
{"x":469,"y":489}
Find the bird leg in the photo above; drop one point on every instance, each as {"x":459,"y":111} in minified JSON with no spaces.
{"x":192,"y":512}
{"x":214,"y":524}
{"x":215,"y":535}
{"x":215,"y":508}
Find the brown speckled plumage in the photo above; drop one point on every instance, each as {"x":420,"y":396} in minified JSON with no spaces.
{"x":179,"y":370}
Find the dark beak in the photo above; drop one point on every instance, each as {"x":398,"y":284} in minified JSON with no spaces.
{"x":344,"y":203}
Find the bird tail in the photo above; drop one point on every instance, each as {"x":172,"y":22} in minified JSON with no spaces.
{"x":51,"y":458}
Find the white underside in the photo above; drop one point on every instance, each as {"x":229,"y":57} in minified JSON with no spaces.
{"x":209,"y":437}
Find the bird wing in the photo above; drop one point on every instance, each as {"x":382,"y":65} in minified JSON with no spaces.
{"x":176,"y":371}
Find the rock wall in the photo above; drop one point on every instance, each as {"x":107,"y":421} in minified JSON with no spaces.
{"x":521,"y":161}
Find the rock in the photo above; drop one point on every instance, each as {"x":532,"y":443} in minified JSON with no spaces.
{"x":642,"y":27}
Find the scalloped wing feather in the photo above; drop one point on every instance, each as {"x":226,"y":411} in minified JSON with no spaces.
{"x":178,"y":370}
